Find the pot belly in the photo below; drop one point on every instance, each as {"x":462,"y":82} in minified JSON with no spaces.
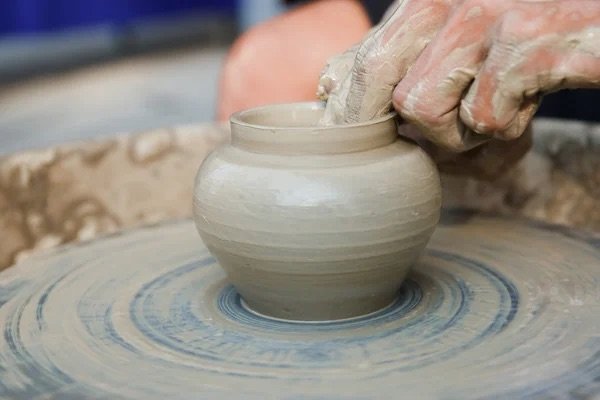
{"x":316,"y":243}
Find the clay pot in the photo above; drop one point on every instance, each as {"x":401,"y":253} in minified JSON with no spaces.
{"x":315,"y":222}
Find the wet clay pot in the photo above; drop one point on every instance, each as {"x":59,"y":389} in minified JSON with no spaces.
{"x":315,"y":222}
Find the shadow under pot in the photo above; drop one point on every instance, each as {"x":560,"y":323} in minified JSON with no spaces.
{"x":314,"y":222}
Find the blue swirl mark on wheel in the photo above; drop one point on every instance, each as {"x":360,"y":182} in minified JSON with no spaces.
{"x":200,"y":335}
{"x":509,"y":296}
{"x":47,"y":377}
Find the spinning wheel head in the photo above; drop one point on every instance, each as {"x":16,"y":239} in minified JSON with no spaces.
{"x":494,"y":308}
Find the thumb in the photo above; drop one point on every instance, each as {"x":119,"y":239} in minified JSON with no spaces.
{"x":383,"y":58}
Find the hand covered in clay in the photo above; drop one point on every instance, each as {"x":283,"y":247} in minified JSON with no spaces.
{"x":465,"y":71}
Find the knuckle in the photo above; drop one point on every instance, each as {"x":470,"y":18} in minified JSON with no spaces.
{"x":413,"y":105}
{"x":478,"y":118}
{"x":436,"y":130}
{"x":399,"y":97}
{"x":418,"y":113}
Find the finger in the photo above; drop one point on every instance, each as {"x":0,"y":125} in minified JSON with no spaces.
{"x":339,"y":66}
{"x":534,"y":54}
{"x":337,"y":69}
{"x":384,"y":57}
{"x":429,"y":95}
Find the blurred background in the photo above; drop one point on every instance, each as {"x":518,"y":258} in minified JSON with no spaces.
{"x":76,"y":69}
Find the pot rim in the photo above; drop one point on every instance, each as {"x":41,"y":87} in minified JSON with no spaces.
{"x":237,"y":118}
{"x":312,"y":138}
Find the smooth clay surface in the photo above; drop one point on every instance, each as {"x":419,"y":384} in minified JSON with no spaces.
{"x":495,"y":308}
{"x":312,"y":222}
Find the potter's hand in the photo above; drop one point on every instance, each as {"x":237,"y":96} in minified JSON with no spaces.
{"x":466,"y":70}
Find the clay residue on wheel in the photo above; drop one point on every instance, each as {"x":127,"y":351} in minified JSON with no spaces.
{"x":151,"y":146}
{"x":78,"y":191}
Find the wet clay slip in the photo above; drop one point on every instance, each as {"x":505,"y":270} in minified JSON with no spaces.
{"x":315,"y":222}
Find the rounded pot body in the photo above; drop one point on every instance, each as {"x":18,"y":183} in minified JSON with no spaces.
{"x":315,"y":222}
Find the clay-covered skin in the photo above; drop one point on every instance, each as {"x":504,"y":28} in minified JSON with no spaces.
{"x":462,"y":70}
{"x":316,"y":223}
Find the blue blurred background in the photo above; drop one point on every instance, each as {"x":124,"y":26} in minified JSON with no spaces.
{"x":39,"y":35}
{"x":27,"y":17}
{"x":80,"y":69}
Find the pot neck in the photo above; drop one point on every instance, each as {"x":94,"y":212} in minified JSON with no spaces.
{"x":292,"y":129}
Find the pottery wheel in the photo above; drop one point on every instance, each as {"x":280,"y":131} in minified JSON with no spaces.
{"x":495,"y":308}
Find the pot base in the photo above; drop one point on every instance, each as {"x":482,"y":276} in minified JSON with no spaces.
{"x":317,"y":297}
{"x":350,"y":311}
